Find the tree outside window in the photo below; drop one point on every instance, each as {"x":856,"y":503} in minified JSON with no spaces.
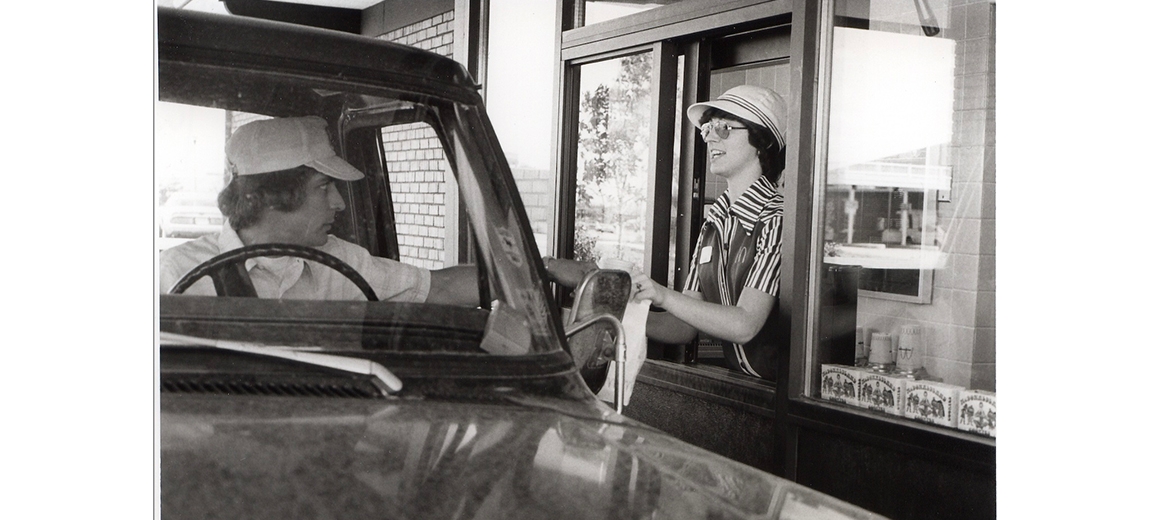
{"x":612,"y":159}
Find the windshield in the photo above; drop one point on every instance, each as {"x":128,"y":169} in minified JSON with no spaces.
{"x":430,"y":221}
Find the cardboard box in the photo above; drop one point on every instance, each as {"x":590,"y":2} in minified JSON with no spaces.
{"x":977,"y":412}
{"x":931,"y":402}
{"x":838,"y":383}
{"x":881,"y":392}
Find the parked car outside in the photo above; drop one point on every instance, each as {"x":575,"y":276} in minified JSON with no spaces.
{"x":451,"y":412}
{"x":190,"y":214}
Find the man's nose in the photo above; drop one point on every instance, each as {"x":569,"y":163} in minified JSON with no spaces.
{"x":336,"y":203}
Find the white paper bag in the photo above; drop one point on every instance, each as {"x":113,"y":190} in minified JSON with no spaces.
{"x":636,"y":314}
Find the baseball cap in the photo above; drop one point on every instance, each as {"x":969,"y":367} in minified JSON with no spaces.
{"x":761,"y":106}
{"x":271,"y":145}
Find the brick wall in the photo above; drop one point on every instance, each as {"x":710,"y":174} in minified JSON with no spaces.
{"x":960,"y":322}
{"x":535,"y":189}
{"x":433,"y":34}
{"x":418,"y":175}
{"x":972,"y":215}
{"x":417,"y":168}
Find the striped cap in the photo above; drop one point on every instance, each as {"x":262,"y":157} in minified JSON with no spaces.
{"x":758,"y":105}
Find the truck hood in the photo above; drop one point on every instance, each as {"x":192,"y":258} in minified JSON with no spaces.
{"x":280,"y":457}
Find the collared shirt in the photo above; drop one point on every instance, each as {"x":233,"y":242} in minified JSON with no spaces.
{"x":759,"y":209}
{"x":295,"y":278}
{"x":738,"y":247}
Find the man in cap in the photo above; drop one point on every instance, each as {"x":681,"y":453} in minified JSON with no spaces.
{"x":283,"y":191}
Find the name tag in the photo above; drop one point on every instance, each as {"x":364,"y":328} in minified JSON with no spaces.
{"x":705,"y":255}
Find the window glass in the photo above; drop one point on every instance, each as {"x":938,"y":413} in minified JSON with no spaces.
{"x":905,"y":209}
{"x":520,"y":85}
{"x":190,"y":168}
{"x":189,"y":172}
{"x":612,"y":159}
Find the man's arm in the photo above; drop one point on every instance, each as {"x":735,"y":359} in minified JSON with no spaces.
{"x":568,"y":273}
{"x":457,"y":285}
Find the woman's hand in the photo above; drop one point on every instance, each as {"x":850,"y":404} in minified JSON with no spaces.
{"x":687,"y":311}
{"x":646,"y":289}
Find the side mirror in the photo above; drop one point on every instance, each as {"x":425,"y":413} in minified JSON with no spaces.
{"x":593,"y":325}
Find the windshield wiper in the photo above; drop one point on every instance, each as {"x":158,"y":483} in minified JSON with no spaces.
{"x":383,"y":379}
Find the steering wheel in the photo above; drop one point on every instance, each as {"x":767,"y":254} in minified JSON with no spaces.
{"x":229,"y":272}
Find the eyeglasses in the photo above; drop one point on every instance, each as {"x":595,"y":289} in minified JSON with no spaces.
{"x":721,"y":128}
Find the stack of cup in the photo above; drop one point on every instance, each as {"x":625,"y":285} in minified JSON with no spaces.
{"x":880,"y":355}
{"x":862,"y":346}
{"x":910,"y":352}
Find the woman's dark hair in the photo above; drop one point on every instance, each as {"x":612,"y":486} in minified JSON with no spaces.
{"x":771,"y":156}
{"x":243,"y":200}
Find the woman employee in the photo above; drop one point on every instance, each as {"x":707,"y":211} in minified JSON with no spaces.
{"x":733,"y":282}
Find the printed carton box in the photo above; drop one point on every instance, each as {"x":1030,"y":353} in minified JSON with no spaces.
{"x":881,"y":392}
{"x":838,"y":383}
{"x":931,"y":402}
{"x":977,"y":411}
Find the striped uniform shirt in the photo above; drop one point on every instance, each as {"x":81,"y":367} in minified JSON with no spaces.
{"x":761,"y":207}
{"x":748,"y":237}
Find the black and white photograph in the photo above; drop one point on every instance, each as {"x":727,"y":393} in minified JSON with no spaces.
{"x":520,"y":259}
